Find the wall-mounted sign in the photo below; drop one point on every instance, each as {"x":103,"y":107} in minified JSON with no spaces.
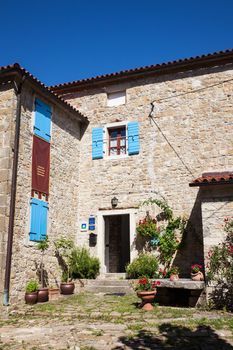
{"x":91,"y":222}
{"x":83,"y":226}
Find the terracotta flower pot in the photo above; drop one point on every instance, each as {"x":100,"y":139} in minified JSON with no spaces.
{"x":54,"y":293}
{"x":147,"y":298}
{"x":67,"y":288}
{"x":198,"y":276}
{"x":43,"y":295}
{"x":31,"y":298}
{"x":174,"y":277}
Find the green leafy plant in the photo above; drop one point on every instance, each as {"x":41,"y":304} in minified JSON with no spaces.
{"x":165,"y":233}
{"x":82,"y":264}
{"x":144,"y":265}
{"x":42,"y":246}
{"x":31,"y":286}
{"x":144,"y":284}
{"x":174,"y":270}
{"x":220,"y":270}
{"x":162,"y":204}
{"x":63,"y":250}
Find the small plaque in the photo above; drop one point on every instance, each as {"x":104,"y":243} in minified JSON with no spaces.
{"x":83,"y":226}
{"x":91,"y":227}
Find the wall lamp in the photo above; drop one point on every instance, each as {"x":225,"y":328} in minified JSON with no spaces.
{"x":114,"y":202}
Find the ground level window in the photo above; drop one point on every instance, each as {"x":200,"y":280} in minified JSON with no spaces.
{"x":117,"y":141}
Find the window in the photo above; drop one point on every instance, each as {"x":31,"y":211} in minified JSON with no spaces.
{"x":115,"y":140}
{"x":39,"y":219}
{"x":116,"y":98}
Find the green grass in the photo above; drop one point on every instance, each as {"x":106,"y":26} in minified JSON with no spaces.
{"x":83,"y":306}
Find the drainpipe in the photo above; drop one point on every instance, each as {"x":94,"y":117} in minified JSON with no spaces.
{"x":18,"y":89}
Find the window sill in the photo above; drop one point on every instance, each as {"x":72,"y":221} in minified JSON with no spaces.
{"x":123,"y":156}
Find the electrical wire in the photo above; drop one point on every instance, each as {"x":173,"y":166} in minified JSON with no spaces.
{"x":169,"y":143}
{"x":193,"y":91}
{"x":178,"y":95}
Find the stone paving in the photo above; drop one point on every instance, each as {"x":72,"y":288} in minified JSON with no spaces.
{"x":97,"y":322}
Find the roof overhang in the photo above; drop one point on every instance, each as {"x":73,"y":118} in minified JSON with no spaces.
{"x":15,"y":73}
{"x":213,"y":179}
{"x":182,"y":65}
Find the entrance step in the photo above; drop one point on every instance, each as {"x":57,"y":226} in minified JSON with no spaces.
{"x":108,"y":286}
{"x":113,"y":276}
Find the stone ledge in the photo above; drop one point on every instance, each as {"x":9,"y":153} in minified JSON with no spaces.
{"x":182,"y":283}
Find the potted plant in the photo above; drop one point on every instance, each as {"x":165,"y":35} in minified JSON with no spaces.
{"x":146,"y":290}
{"x":196,"y":274}
{"x":43,"y":292}
{"x":53,"y":292}
{"x":31,"y":292}
{"x":174,"y":273}
{"x":54,"y":289}
{"x":63,"y":251}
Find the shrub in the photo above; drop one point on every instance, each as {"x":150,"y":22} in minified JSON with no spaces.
{"x":31,"y":286}
{"x":220,"y":270}
{"x":63,"y":249}
{"x":82,"y":264}
{"x":144,"y":265}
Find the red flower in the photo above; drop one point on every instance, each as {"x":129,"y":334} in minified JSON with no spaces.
{"x":155,"y":283}
{"x":143,"y":281}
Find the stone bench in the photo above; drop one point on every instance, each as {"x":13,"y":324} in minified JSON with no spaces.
{"x":184,"y":291}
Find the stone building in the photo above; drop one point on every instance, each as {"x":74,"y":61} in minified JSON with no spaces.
{"x":162,"y":131}
{"x":19,"y":92}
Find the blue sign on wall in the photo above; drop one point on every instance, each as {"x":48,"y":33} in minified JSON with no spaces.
{"x":91,"y":222}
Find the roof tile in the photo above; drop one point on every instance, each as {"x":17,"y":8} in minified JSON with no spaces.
{"x":215,"y":178}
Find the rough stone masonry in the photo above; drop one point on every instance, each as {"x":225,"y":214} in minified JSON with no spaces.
{"x":188,"y":133}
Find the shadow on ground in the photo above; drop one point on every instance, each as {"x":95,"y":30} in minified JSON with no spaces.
{"x":175,"y":337}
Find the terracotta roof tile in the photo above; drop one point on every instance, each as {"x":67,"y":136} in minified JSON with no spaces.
{"x":16,"y":68}
{"x":219,"y":55}
{"x":215,"y":178}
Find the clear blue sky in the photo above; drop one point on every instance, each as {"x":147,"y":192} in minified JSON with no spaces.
{"x":64,"y":40}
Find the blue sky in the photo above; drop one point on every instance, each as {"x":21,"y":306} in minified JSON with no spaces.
{"x":60,"y":41}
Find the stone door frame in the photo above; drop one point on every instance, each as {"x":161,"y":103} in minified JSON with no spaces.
{"x":101,"y":233}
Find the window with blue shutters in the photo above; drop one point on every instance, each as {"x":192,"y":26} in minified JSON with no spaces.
{"x":42,"y":123}
{"x":39,"y":219}
{"x":115,"y":140}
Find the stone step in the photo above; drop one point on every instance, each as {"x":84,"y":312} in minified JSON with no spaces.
{"x":106,"y":289}
{"x":113,"y":276}
{"x":107,"y":282}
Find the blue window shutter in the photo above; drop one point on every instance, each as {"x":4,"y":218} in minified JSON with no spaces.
{"x":43,"y":219}
{"x":97,"y":143}
{"x":133,"y":138}
{"x":39,"y":219}
{"x":42,"y":125}
{"x":35,"y":220}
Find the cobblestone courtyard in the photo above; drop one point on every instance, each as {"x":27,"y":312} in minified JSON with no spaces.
{"x":97,"y":321}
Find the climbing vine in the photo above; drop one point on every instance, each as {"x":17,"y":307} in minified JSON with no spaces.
{"x":164,"y":232}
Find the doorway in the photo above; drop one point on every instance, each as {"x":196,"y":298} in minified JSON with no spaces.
{"x":117,"y":242}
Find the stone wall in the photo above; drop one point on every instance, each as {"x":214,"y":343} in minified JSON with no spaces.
{"x":190,"y":134}
{"x":63,"y":198}
{"x":7,"y":117}
{"x":217,"y":205}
